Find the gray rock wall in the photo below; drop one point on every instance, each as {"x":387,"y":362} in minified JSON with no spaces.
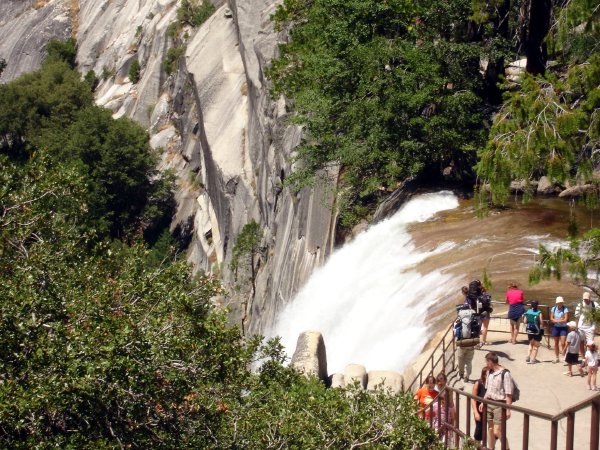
{"x":213,"y":122}
{"x":26,"y":28}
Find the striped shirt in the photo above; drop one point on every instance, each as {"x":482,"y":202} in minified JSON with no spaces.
{"x":495,"y":390}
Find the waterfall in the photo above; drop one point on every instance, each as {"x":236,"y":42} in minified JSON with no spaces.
{"x":368,"y":300}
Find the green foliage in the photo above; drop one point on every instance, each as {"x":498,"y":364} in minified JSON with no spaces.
{"x":134,"y":71}
{"x":246,"y":246}
{"x":91,"y":79}
{"x":52,"y":110}
{"x":65,"y":51}
{"x":195,"y":13}
{"x":2,"y":65}
{"x":380,"y":92}
{"x":577,"y":31}
{"x":171,"y":58}
{"x":548,"y":125}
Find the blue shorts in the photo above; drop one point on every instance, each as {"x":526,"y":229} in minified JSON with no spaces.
{"x":559,"y":331}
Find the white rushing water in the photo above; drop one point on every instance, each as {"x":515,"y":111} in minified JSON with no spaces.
{"x":368,"y":300}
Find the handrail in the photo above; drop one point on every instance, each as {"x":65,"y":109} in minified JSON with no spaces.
{"x":444,"y":427}
{"x":434,"y":364}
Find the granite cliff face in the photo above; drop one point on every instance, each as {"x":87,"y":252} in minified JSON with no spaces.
{"x":213,"y":122}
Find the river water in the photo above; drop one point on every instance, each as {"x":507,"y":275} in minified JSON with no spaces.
{"x":380,"y":298}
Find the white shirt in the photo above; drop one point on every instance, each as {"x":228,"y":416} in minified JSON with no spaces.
{"x":580,"y":311}
{"x":591,"y":358}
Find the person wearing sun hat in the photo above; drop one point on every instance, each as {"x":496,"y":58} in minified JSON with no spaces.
{"x":572,"y":353}
{"x":559,"y":316}
{"x":586,"y":325}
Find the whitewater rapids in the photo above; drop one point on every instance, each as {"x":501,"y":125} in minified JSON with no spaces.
{"x":368,"y":300}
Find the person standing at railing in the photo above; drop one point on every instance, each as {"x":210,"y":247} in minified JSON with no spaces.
{"x":514,"y":297}
{"x":479,"y":391}
{"x":559,"y":316}
{"x":445,"y":405}
{"x":426,"y":394}
{"x":499,"y":387}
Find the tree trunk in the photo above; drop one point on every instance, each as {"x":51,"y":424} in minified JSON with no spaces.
{"x":534,"y":24}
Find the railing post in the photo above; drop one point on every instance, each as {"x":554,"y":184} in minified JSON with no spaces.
{"x":553,"y":434}
{"x":503,"y":445}
{"x":484,"y":425}
{"x":525,"y":431}
{"x":453,"y":354}
{"x":457,"y":415}
{"x":570,"y":430}
{"x":595,"y":417}
{"x":444,"y":354}
{"x":468,"y":415}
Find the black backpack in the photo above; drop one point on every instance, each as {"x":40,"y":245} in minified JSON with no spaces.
{"x":486,"y":303}
{"x":474,"y":293}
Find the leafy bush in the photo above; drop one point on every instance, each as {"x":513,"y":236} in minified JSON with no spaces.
{"x":194,"y":14}
{"x":171,"y":58}
{"x":65,"y":51}
{"x":134,"y":71}
{"x":53,"y":109}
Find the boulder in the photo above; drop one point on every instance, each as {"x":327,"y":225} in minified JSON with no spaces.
{"x":576,"y":191}
{"x":385,"y":379}
{"x":310,"y":356}
{"x":337,"y":380}
{"x":355,"y":372}
{"x":545,"y":186}
{"x":515,"y":69}
{"x":522,"y":185}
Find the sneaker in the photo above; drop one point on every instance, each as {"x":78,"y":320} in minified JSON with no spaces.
{"x":527,"y":359}
{"x":555,"y":361}
{"x":535,"y":361}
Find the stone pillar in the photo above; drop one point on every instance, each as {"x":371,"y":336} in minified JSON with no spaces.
{"x":310,"y":356}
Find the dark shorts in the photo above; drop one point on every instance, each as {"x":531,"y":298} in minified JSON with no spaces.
{"x":537,"y":337}
{"x":572,"y":358}
{"x":559,"y":331}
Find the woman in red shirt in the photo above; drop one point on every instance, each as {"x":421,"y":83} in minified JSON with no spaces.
{"x":514,"y":297}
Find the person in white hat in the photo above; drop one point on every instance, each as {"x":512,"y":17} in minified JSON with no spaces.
{"x":559,"y":316}
{"x":586,"y":325}
{"x":572,"y":353}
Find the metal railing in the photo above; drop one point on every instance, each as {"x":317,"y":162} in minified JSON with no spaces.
{"x":451,"y":434}
{"x":443,"y":357}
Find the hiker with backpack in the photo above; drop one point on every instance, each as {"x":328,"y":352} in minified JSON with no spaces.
{"x":586,"y":325}
{"x":514,"y":297}
{"x":485,"y":314}
{"x":534,"y":326}
{"x":500,"y":387}
{"x":481,"y":303}
{"x":466,"y":333}
{"x":559,"y":316}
